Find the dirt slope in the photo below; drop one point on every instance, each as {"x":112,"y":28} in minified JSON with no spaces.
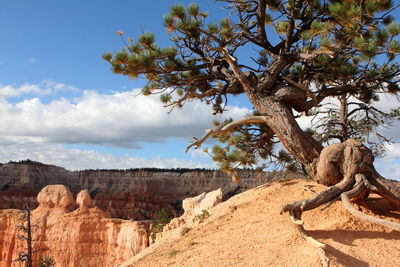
{"x":248,"y":230}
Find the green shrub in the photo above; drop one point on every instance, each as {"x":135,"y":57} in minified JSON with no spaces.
{"x":161,"y":220}
{"x":199,"y":217}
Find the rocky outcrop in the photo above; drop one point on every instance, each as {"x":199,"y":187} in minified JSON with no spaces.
{"x":195,"y":210}
{"x":195,"y":205}
{"x":138,"y":193}
{"x":85,"y":236}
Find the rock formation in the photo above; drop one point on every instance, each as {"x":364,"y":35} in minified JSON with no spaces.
{"x":131,"y":194}
{"x":196,"y":209}
{"x":82,"y":237}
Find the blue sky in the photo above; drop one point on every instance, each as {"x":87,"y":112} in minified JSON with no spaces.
{"x":61,"y":104}
{"x":60,"y":100}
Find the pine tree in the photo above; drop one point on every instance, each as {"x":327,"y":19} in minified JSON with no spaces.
{"x":26,"y":228}
{"x":307,"y":51}
{"x":160,"y":221}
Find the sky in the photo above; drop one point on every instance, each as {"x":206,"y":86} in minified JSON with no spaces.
{"x":61,"y":104}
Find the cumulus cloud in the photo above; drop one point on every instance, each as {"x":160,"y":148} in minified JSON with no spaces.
{"x":46,"y":87}
{"x":56,"y":87}
{"x":38,"y":130}
{"x":121,"y":119}
{"x":7,"y":91}
{"x":76,"y":159}
{"x":34,"y":129}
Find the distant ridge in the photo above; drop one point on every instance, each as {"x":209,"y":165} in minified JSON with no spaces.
{"x":114,"y":189}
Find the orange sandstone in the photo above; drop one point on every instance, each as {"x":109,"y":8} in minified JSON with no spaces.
{"x":82,"y":237}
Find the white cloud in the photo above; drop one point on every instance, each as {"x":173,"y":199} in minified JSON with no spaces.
{"x":75,"y":159}
{"x":119,"y":119}
{"x":32,"y":60}
{"x":46,"y":87}
{"x":38,"y":130}
{"x":393,"y":152}
{"x":7,"y":91}
{"x":389,"y":166}
{"x":58,"y":87}
{"x":198,"y":153}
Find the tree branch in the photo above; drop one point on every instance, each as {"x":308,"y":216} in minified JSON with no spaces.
{"x":316,"y":53}
{"x":237,"y":71}
{"x":220,"y":130}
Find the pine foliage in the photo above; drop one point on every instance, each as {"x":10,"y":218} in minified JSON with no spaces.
{"x":328,"y":49}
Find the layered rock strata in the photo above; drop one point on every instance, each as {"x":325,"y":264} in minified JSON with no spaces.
{"x":131,"y":194}
{"x":86,"y":236}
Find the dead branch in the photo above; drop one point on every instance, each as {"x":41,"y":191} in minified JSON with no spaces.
{"x":220,"y":130}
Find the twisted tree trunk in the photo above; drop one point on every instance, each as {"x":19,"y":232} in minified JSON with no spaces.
{"x":336,"y":165}
{"x":346,"y":168}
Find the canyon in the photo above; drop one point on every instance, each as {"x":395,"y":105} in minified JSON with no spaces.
{"x":99,"y":217}
{"x":137,"y":194}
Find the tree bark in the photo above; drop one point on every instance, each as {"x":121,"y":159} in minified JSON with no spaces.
{"x":330,"y":165}
{"x":280,"y":119}
{"x":343,"y":117}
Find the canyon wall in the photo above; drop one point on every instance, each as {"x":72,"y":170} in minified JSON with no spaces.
{"x":85,"y":236}
{"x":130,"y":194}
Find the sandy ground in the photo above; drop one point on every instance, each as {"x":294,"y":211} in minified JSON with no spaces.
{"x":248,"y":230}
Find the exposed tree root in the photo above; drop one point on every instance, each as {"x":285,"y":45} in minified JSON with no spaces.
{"x":296,"y":208}
{"x":390,"y":190}
{"x":349,"y":166}
{"x":327,"y":205}
{"x":319,"y":198}
{"x":319,"y":245}
{"x":356,"y":191}
{"x":359,"y":185}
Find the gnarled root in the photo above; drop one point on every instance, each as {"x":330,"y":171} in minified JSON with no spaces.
{"x":296,"y":208}
{"x":319,"y":245}
{"x":348,"y":188}
{"x":319,"y":198}
{"x":349,"y":166}
{"x":357,"y":191}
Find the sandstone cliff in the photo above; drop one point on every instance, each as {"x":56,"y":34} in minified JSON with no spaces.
{"x":131,"y":194}
{"x":82,"y":237}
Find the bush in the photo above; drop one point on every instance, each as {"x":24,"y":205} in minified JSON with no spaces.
{"x":173,"y":253}
{"x":200,"y":217}
{"x":161,"y":220}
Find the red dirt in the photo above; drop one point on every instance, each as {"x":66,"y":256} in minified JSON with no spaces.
{"x":248,"y":230}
